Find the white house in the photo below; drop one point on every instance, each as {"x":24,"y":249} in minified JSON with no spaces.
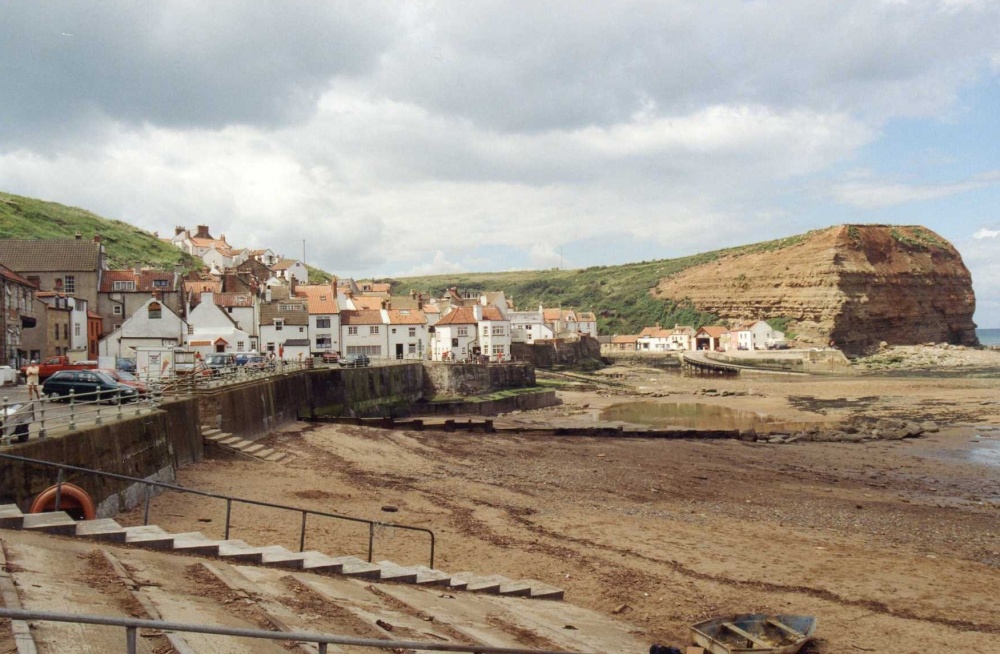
{"x":283,"y":318}
{"x":153,"y":325}
{"x":289,"y":269}
{"x":242,"y":308}
{"x":528,"y":326}
{"x":324,"y":316}
{"x":586,"y":322}
{"x":211,"y":330}
{"x":407,"y":337}
{"x":494,"y":333}
{"x":364,"y":332}
{"x":456,"y":335}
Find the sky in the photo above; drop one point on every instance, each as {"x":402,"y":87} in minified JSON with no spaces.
{"x":384,"y":139}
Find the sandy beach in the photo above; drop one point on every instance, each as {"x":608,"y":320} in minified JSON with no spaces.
{"x":893,"y":545}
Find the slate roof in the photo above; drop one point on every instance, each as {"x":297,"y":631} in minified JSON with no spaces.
{"x":272,"y":310}
{"x":363,"y":317}
{"x":50,"y":255}
{"x":296,"y":342}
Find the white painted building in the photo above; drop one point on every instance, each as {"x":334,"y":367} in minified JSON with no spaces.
{"x":324,"y":316}
{"x":153,"y":325}
{"x":494,"y":333}
{"x":211,"y":330}
{"x":289,"y":269}
{"x":282,"y":319}
{"x":364,"y":332}
{"x":78,"y":326}
{"x":528,"y":326}
{"x":408,"y":335}
{"x":456,"y":335}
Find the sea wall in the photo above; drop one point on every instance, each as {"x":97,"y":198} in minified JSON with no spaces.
{"x":444,"y":379}
{"x":558,"y":352}
{"x":150,"y":446}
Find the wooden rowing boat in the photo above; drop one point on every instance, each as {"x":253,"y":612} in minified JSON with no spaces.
{"x":754,"y":632}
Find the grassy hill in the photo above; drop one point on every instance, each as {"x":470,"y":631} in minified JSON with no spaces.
{"x":619,"y":295}
{"x":126,"y":245}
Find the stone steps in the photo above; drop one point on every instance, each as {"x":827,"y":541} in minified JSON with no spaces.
{"x":225,"y":440}
{"x":237,"y":551}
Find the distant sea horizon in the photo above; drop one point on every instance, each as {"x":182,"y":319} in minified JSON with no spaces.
{"x":988,"y":336}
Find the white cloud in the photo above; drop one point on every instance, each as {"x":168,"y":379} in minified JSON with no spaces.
{"x":986,"y":233}
{"x":876,"y":194}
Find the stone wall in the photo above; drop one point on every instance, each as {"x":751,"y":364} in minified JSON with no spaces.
{"x":549,"y":354}
{"x":474,"y":378}
{"x":150,"y":447}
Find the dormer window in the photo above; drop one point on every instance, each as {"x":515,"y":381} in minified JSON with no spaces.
{"x":124,"y":286}
{"x":155,"y":311}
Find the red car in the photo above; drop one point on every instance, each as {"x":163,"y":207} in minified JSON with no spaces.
{"x":330,"y":356}
{"x":127,"y":379}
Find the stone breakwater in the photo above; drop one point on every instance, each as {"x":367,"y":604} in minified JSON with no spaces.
{"x":859,"y":430}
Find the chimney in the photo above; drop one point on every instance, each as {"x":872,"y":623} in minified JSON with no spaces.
{"x":137,"y":269}
{"x":97,"y":237}
{"x":203,"y":232}
{"x":178,"y":230}
{"x":477,"y":312}
{"x":267,"y":294}
{"x":78,"y":236}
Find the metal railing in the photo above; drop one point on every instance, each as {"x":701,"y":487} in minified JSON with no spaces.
{"x":21,"y":419}
{"x":230,"y":500}
{"x":132,"y":625}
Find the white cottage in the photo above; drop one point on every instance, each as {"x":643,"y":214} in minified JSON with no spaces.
{"x":152,"y":325}
{"x":212,"y":330}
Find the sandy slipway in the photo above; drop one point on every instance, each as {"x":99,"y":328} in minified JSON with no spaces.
{"x":887,"y":542}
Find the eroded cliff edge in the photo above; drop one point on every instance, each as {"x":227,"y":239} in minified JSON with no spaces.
{"x":855,"y":285}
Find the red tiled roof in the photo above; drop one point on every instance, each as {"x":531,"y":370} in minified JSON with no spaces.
{"x":715,"y":331}
{"x":492,"y":313}
{"x":586,"y":317}
{"x":406,"y":317}
{"x":367,"y":302}
{"x":460,"y":316}
{"x":143,"y":280}
{"x":284,"y":264}
{"x":233,"y":299}
{"x":364,"y":317}
{"x":322,"y":298}
{"x":14,"y":277}
{"x":551,"y":315}
{"x":624,"y":339}
{"x":203,"y":286}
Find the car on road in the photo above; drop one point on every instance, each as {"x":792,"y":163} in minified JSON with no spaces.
{"x":355,"y":361}
{"x":127,"y":378}
{"x":220,"y":363}
{"x":87,"y":386}
{"x":258,"y":362}
{"x":330,"y":356}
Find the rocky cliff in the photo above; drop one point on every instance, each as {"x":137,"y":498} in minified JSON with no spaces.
{"x":855,"y":285}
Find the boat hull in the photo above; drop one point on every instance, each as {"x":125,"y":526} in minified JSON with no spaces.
{"x":754,"y":632}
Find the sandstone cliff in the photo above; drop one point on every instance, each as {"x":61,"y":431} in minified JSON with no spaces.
{"x":855,"y":285}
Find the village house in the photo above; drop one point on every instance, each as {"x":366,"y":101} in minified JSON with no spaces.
{"x":363,"y":331}
{"x":153,"y":325}
{"x":753,"y":335}
{"x":324,"y":316}
{"x":456,"y":335}
{"x":528,"y":326}
{"x":210,"y":329}
{"x":407,"y":333}
{"x":620,"y":343}
{"x":494,"y":333}
{"x":739,"y":337}
{"x":242,"y":310}
{"x":288,"y":270}
{"x":122,"y":292}
{"x":71,"y":267}
{"x":709,"y":338}
{"x":283,"y":317}
{"x":586,"y":323}
{"x":264,"y":256}
{"x":17,"y":313}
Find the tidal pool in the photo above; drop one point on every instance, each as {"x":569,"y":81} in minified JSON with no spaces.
{"x":697,"y":416}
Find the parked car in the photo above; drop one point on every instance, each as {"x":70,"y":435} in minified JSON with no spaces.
{"x":198,"y":368}
{"x":355,"y":361}
{"x":330,"y":356}
{"x":92,"y":385}
{"x":126,"y":364}
{"x":127,"y":378}
{"x":243,"y":357}
{"x":220,"y":363}
{"x":53,"y":365}
{"x":258,"y":362}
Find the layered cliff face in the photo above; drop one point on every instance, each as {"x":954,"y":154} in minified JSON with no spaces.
{"x":855,"y":285}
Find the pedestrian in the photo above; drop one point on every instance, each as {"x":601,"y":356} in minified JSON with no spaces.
{"x":31,"y":372}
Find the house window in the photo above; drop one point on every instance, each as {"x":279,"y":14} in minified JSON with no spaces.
{"x":155,"y":311}
{"x":301,"y":329}
{"x":70,"y":283}
{"x":239,"y":346}
{"x":393,"y":330}
{"x":373,"y":330}
{"x":323,"y":322}
{"x":160,"y":283}
{"x":353,"y":331}
{"x":57,"y":332}
{"x":76,"y":329}
{"x":116,"y":310}
{"x":498,"y":349}
{"x":486,"y":331}
{"x":124,"y":286}
{"x":279,"y":325}
{"x":498,"y":331}
{"x":324,"y":342}
{"x":454,"y":342}
{"x":463,"y":331}
{"x":413,"y":332}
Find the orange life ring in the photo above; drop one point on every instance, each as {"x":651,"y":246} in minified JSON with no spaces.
{"x":73,"y":500}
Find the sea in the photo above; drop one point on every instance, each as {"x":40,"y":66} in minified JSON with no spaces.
{"x":988,"y":336}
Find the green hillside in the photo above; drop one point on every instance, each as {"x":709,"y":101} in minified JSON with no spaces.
{"x":619,"y":295}
{"x":126,"y":245}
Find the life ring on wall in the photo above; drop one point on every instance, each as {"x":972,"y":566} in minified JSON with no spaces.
{"x":73,"y":500}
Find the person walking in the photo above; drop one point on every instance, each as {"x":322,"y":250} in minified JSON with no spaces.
{"x":31,"y":372}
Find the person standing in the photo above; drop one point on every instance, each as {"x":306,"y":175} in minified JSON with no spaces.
{"x":31,"y":372}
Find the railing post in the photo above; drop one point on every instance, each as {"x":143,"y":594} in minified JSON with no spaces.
{"x":302,"y":534}
{"x":371,"y":540}
{"x":119,"y":403}
{"x":130,"y":640}
{"x":229,"y":511}
{"x":41,"y":420}
{"x":98,"y":420}
{"x":3,"y":430}
{"x":72,"y":409}
{"x":59,"y":483}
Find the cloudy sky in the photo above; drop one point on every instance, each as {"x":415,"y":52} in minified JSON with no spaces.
{"x":428,"y":137}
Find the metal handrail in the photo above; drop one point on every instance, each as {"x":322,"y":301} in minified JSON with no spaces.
{"x":81,"y":408}
{"x":131,"y":626}
{"x":372,"y":524}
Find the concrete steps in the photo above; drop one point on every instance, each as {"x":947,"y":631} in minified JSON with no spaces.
{"x":227,"y":441}
{"x":237,"y":551}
